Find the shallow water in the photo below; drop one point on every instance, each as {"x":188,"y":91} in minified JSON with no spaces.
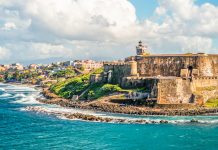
{"x":21,"y":129}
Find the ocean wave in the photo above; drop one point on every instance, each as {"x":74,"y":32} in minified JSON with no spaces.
{"x":2,"y":89}
{"x":19,"y":95}
{"x":208,"y":121}
{"x":19,"y":89}
{"x":5,"y":95}
{"x":58,"y":110}
{"x":26,"y":99}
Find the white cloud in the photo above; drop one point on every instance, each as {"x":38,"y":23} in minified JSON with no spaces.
{"x":9,"y":26}
{"x":190,"y":19}
{"x":82,"y":19}
{"x":104,"y":28}
{"x":4,"y":53}
{"x":179,"y":8}
{"x":44,"y":50}
{"x":183,"y":26}
{"x":160,"y":11}
{"x":54,"y":22}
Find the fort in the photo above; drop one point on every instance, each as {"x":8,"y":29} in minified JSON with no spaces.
{"x":167,"y":78}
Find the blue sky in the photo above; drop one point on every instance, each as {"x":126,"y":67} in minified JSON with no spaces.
{"x":52,"y":30}
{"x":145,"y":8}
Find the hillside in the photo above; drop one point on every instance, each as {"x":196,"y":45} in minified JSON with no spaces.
{"x":80,"y":85}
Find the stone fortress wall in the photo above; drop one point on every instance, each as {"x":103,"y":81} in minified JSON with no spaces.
{"x":172,"y":65}
{"x":116,"y":71}
{"x":164,"y":65}
{"x":170,"y":78}
{"x":181,"y":90}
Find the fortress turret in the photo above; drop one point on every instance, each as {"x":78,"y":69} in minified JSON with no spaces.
{"x":133,"y":66}
{"x":141,"y":49}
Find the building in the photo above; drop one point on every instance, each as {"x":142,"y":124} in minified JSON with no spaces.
{"x":33,"y":66}
{"x":68,"y":63}
{"x":142,"y":49}
{"x":16,"y":66}
{"x":168,"y":78}
{"x":2,"y":68}
{"x":87,"y":65}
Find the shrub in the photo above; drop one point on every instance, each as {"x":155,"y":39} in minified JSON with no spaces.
{"x":91,"y":94}
{"x":77,"y":85}
{"x":98,"y":90}
{"x":98,"y":71}
{"x":108,"y":88}
{"x":1,"y":79}
{"x":72,"y":86}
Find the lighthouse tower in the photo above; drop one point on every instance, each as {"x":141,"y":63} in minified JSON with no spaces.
{"x":141,"y":49}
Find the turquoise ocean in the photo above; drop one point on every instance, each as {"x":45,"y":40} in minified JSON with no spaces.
{"x":21,"y":129}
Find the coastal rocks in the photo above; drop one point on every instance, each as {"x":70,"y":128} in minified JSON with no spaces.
{"x":113,"y":108}
{"x":194,"y":121}
{"x":88,"y":117}
{"x":163,"y":121}
{"x":116,"y":108}
{"x":107,"y":119}
{"x":49,"y":95}
{"x":92,"y":118}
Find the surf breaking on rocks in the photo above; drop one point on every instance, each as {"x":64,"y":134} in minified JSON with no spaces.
{"x":108,"y":119}
{"x":28,"y":98}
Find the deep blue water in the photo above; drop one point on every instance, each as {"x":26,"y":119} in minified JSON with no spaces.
{"x":29,"y":130}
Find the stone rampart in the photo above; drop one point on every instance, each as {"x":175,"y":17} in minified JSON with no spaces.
{"x":116,"y":71}
{"x":165,"y":65}
{"x":200,"y":82}
{"x":198,"y":90}
{"x":174,"y":91}
{"x":171,"y":65}
{"x":171,"y":79}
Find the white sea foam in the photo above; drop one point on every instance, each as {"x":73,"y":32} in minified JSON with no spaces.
{"x":30,"y":99}
{"x":60,"y":113}
{"x":19,"y":89}
{"x":5,"y":95}
{"x":26,"y":99}
{"x":2,"y":89}
{"x":208,"y":121}
{"x":59,"y":109}
{"x":21,"y":95}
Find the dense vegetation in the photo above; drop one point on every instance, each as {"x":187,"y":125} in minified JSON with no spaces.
{"x":98,"y":90}
{"x":80,"y":85}
{"x":64,"y":73}
{"x":74,"y":86}
{"x":19,"y":76}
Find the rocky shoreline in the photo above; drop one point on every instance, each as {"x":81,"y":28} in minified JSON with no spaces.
{"x":92,"y":118}
{"x":51,"y":98}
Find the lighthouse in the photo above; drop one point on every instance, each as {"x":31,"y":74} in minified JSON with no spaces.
{"x":142,"y":49}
